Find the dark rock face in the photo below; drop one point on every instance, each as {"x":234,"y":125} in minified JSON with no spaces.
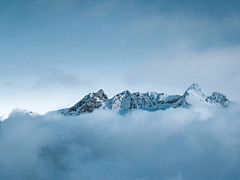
{"x":218,"y":99}
{"x":89,"y":103}
{"x":151,"y":101}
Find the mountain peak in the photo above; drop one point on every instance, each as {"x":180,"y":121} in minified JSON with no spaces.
{"x":89,"y":103}
{"x":218,"y":95}
{"x":194,"y":86}
{"x":100,"y":94}
{"x":218,"y":99}
{"x":195,"y":90}
{"x":100,"y":91}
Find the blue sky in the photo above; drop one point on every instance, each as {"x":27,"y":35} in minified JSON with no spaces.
{"x":53,"y":52}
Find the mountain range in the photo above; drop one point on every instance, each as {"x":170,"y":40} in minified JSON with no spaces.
{"x":127,"y":101}
{"x":150,"y":101}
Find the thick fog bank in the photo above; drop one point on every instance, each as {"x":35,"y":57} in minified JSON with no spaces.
{"x":175,"y":144}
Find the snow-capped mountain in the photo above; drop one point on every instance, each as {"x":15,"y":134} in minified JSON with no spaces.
{"x":151,"y":101}
{"x":19,"y":112}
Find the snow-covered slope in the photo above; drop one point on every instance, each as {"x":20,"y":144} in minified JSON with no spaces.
{"x":19,"y":112}
{"x":151,"y":101}
{"x":23,"y":112}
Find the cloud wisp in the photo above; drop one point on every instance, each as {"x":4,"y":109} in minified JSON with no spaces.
{"x":175,"y":144}
{"x":60,"y":80}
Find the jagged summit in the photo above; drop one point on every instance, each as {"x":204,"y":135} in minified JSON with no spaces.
{"x":100,"y":94}
{"x":218,"y":99}
{"x":194,"y":89}
{"x":151,"y":101}
{"x":194,"y":95}
{"x":218,"y":96}
{"x":89,"y":103}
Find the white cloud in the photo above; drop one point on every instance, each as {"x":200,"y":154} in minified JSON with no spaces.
{"x":175,"y":144}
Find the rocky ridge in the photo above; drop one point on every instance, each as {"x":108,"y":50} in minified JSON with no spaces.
{"x":151,"y":101}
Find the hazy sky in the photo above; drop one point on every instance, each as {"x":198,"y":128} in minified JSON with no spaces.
{"x":53,"y":52}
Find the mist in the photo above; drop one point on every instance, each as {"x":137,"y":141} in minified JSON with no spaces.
{"x":175,"y":144}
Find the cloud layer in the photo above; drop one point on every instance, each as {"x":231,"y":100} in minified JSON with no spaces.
{"x":217,"y":69}
{"x":175,"y":144}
